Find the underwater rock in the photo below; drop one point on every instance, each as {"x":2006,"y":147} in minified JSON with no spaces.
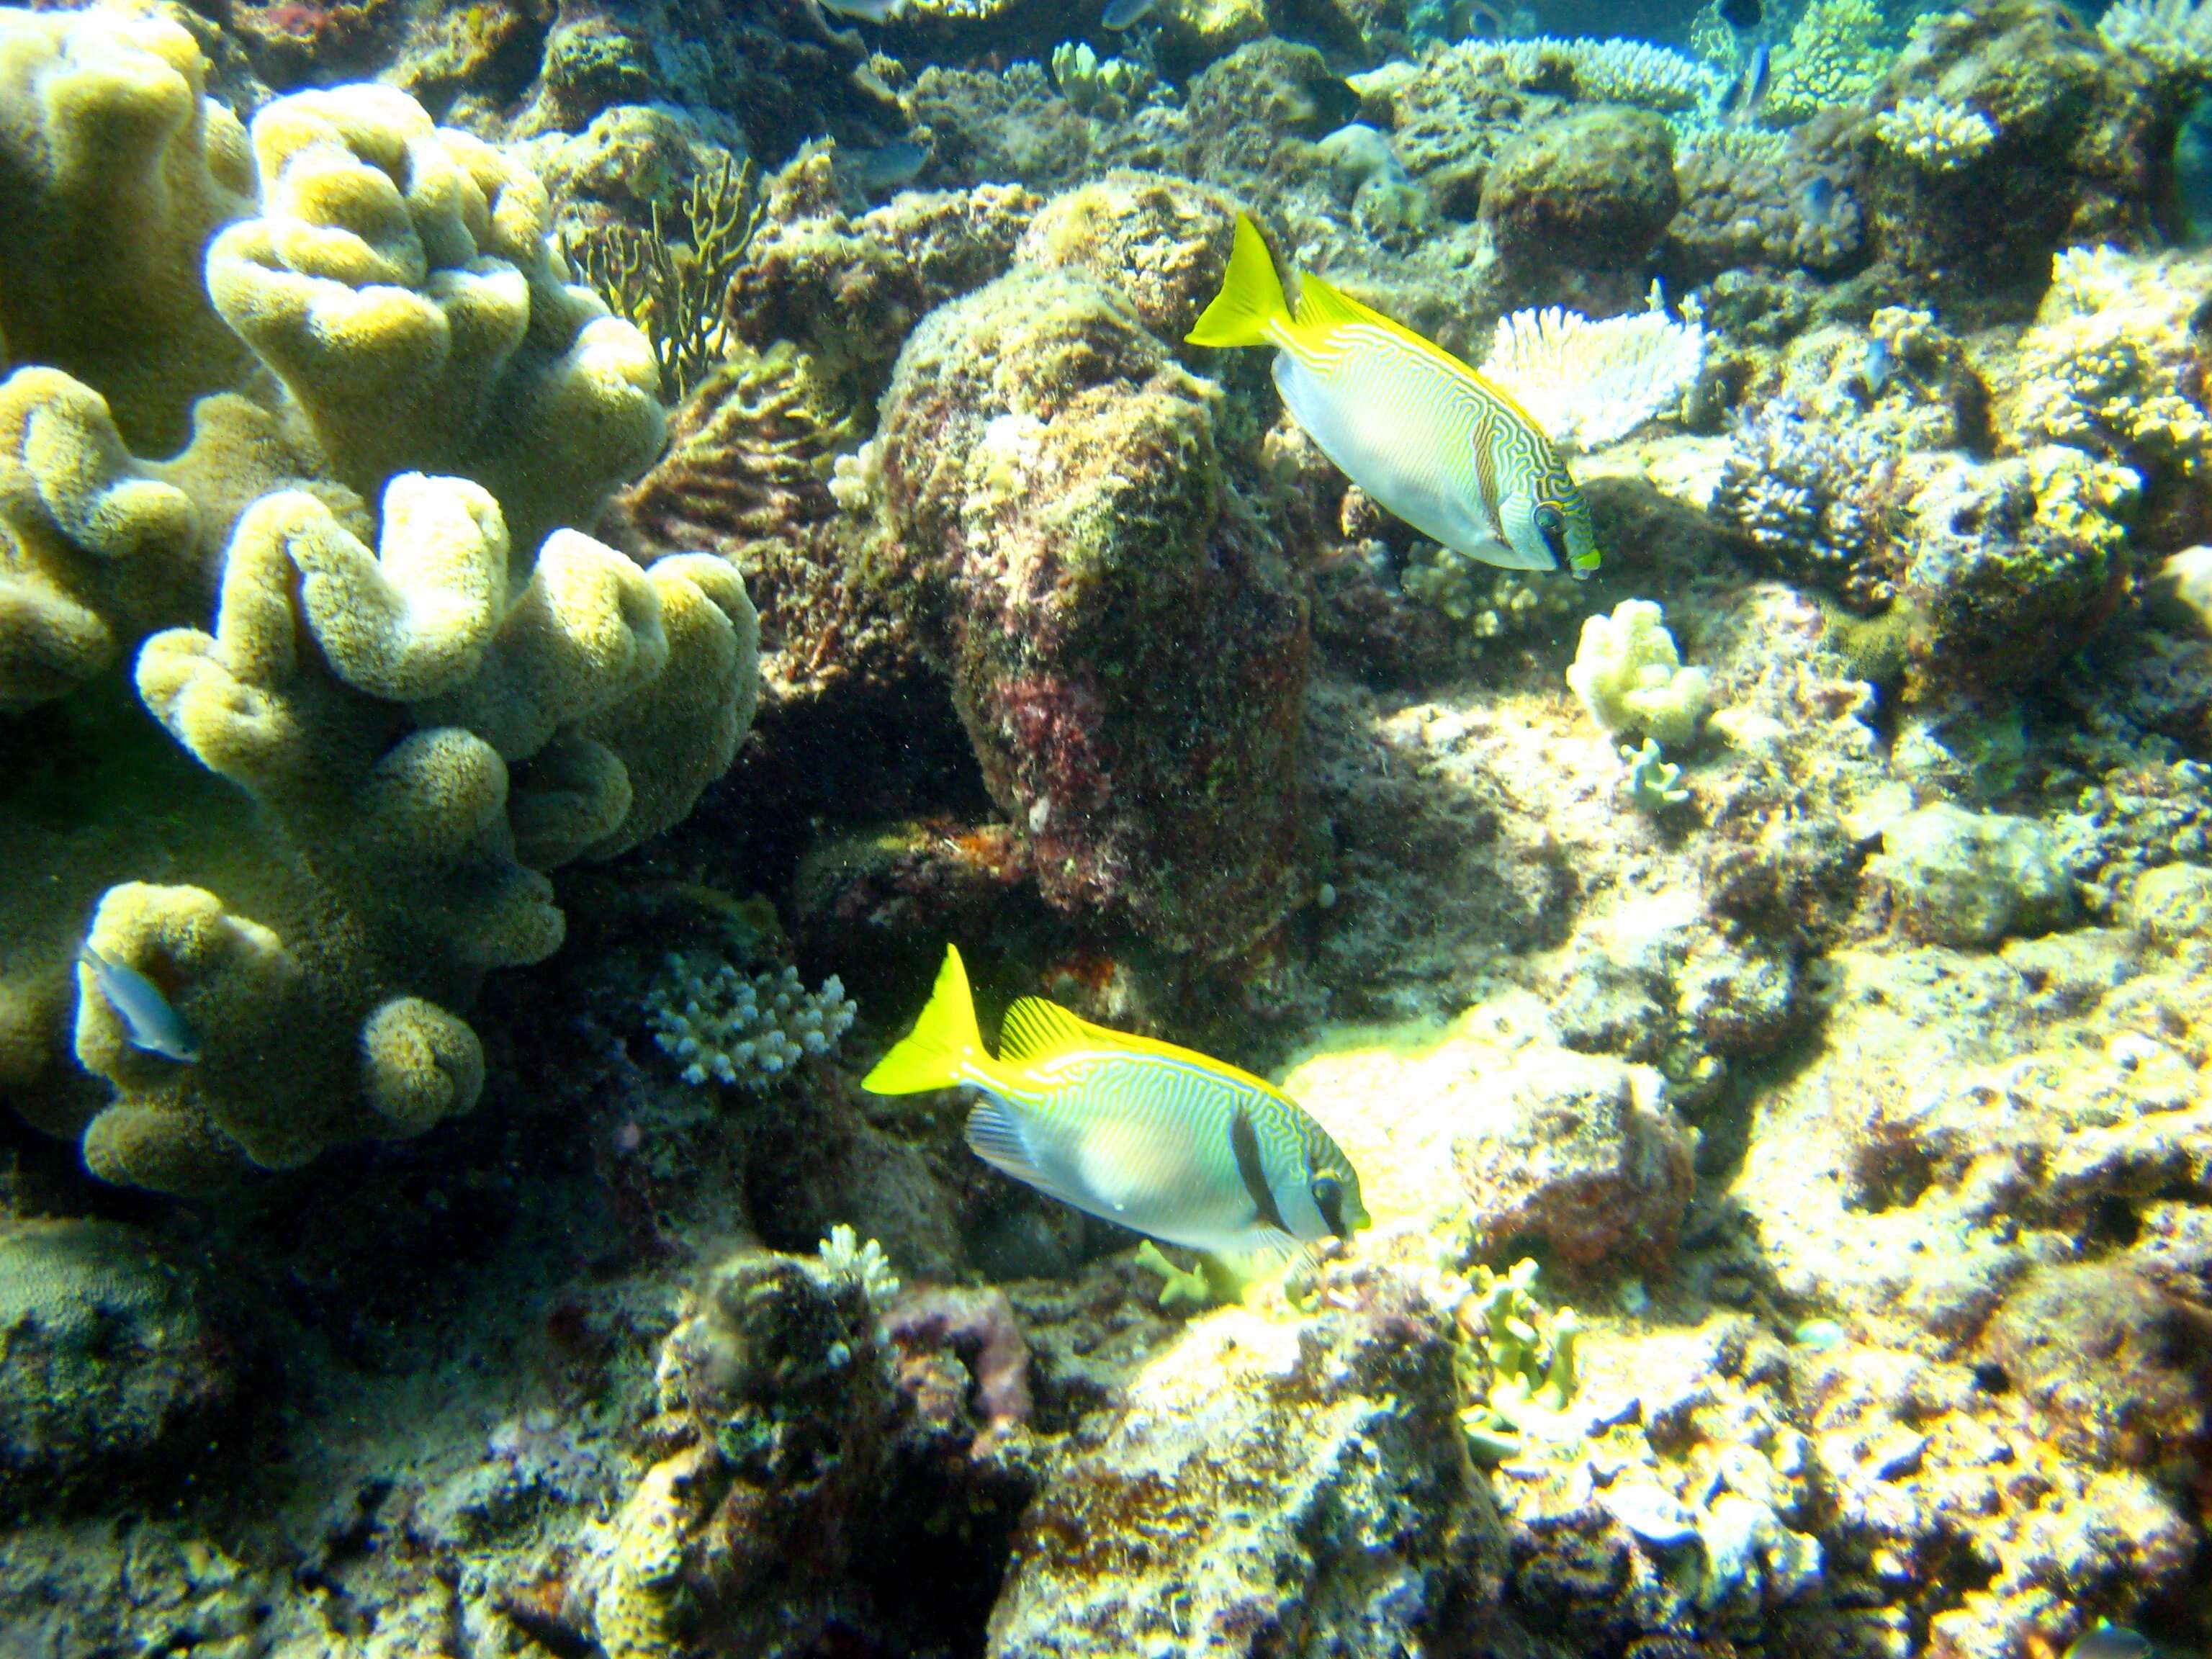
{"x":1584,"y":198}
{"x":113,"y":1365}
{"x":2074,"y":158}
{"x":1243,"y":108}
{"x":782,"y":1394}
{"x":1128,"y":646}
{"x":1160,"y":242}
{"x":2115,"y":1372}
{"x":1273,"y":1483}
{"x":1579,"y":1153}
{"x":1967,"y":878}
{"x":848,"y":290}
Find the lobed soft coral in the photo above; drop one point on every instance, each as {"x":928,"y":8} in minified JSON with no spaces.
{"x":383,"y":701}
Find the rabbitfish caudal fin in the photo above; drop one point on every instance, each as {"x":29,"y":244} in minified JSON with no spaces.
{"x":944,"y":1048}
{"x":1250,"y":305}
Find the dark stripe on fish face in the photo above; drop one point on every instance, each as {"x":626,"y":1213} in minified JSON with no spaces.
{"x":1245,"y":1144}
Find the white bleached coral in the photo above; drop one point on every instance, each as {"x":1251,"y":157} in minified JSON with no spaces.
{"x":1630,"y":676}
{"x":1933,"y":135}
{"x":1589,"y":383}
{"x":1612,"y":71}
{"x":739,"y":1028}
{"x":2173,"y":36}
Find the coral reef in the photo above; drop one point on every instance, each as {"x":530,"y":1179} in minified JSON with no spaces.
{"x":115,"y":1360}
{"x":1967,"y":878}
{"x":1628,"y":674}
{"x":1590,"y":191}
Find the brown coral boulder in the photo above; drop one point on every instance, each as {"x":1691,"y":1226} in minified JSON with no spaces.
{"x":1126,"y":642}
{"x":1577,"y":1156}
{"x":2113,"y":1369}
{"x":1590,"y":190}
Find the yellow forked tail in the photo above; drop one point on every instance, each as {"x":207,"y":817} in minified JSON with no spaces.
{"x":1251,"y":300}
{"x":945,"y":1044}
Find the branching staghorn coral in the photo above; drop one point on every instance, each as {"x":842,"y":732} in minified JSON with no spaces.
{"x":1610,"y":71}
{"x":1830,"y":60}
{"x":2173,"y":36}
{"x":382,"y":699}
{"x":744,"y":1029}
{"x":674,"y":289}
{"x":1933,"y":135}
{"x":1588,"y":383}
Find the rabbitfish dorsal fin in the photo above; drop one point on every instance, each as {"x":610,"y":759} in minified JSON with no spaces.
{"x":1322,"y":305}
{"x":1036,"y":1030}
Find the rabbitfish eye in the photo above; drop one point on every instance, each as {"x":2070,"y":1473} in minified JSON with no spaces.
{"x":1552,"y":525}
{"x":1328,"y":1198}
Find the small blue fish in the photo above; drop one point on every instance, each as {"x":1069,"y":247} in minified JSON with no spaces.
{"x":1128,"y":14}
{"x":890,"y":167}
{"x":1819,"y":201}
{"x":149,"y":1021}
{"x":1876,"y":369}
{"x":1751,"y":88}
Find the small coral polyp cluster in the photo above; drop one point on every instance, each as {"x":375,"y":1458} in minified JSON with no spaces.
{"x":318,"y":682}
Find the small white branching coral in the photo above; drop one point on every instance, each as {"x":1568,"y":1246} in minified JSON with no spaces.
{"x":1933,"y":135}
{"x":746,"y":1029}
{"x":1612,"y":71}
{"x":1586,"y":384}
{"x":1631,"y":677}
{"x":845,"y":1254}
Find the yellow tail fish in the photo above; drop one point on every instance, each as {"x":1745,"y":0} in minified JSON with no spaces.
{"x":1159,"y":1139}
{"x":1431,"y":438}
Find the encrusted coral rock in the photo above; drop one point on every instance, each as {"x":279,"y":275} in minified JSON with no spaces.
{"x":1960,"y":877}
{"x":775,"y":1379}
{"x":1272,"y":1485}
{"x":2116,"y":1371}
{"x":110,"y":1357}
{"x":1161,"y":243}
{"x":1580,"y":1152}
{"x":1589,"y":191}
{"x":1126,"y":641}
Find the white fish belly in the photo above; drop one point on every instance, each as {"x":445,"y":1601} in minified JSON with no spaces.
{"x":1390,"y":429}
{"x":1163,"y":1170}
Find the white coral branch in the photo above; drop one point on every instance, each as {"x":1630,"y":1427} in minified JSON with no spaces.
{"x":1588,"y":383}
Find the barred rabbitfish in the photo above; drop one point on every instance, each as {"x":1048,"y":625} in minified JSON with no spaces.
{"x":1162,"y":1139}
{"x":1431,"y":438}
